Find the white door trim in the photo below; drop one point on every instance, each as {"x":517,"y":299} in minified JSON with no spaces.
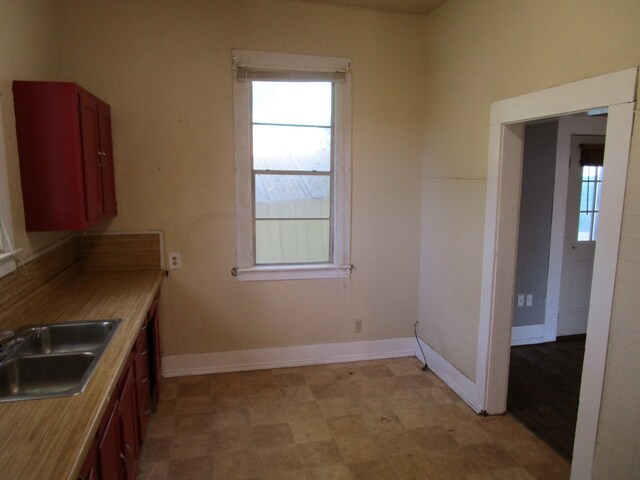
{"x":617,"y":92}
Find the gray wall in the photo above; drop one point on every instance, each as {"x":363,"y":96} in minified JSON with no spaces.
{"x":536,"y":204}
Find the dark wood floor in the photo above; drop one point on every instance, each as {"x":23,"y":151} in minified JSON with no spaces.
{"x":544,"y":387}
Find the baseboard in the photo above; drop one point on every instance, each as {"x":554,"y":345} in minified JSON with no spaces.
{"x":282,"y":357}
{"x":528,"y":335}
{"x":454,"y":378}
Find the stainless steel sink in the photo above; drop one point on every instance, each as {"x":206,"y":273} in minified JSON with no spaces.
{"x":67,"y":337}
{"x":22,"y":378}
{"x":44,"y":361}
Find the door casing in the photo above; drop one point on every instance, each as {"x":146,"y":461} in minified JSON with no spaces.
{"x":616,"y":91}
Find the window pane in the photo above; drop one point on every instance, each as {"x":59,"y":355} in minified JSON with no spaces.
{"x":292,"y":196}
{"x":584,"y":197}
{"x":292,"y":241}
{"x":594,"y":233}
{"x":598,"y":195}
{"x":589,"y":173}
{"x":584,"y":227}
{"x":291,"y":148}
{"x":292,"y":103}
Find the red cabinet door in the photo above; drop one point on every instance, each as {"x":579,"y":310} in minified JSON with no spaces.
{"x":109,"y":448}
{"x":89,"y":470}
{"x":91,"y":159}
{"x":109,"y":204}
{"x":129,"y":422}
{"x":155,"y":367}
{"x":141,"y":365}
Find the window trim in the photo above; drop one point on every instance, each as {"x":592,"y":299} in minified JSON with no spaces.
{"x":246,"y":270}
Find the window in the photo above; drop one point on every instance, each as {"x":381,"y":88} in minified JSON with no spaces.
{"x":293,"y":165}
{"x":591,"y":161}
{"x":590,"y":195}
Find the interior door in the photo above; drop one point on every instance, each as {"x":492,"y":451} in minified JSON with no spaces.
{"x":583,"y":198}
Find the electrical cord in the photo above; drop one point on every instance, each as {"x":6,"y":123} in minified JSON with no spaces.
{"x":415,"y":332}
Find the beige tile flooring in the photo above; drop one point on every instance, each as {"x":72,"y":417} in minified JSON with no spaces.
{"x":382,"y":419}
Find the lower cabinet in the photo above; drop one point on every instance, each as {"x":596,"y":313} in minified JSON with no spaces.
{"x":127,"y":414}
{"x":116,"y":450}
{"x":89,"y":470}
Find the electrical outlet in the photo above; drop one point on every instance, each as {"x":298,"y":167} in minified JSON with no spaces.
{"x":175,"y":261}
{"x":520,"y":300}
{"x":358,"y":326}
{"x":529,"y":301}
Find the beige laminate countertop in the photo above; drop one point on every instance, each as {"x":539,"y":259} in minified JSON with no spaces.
{"x":49,"y":438}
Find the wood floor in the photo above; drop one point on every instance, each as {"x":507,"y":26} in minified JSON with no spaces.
{"x":544,"y":387}
{"x":374,"y":420}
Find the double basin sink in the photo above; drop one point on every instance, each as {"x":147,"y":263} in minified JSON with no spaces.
{"x":45,"y":361}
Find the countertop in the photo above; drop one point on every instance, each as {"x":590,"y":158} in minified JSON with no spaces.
{"x":49,"y":438}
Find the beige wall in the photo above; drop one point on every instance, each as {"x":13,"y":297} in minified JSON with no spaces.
{"x":165,"y":68}
{"x":479,"y":51}
{"x":28,"y":51}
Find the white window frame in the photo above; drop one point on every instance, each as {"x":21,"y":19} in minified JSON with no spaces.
{"x":246,"y":269}
{"x":7,"y":253}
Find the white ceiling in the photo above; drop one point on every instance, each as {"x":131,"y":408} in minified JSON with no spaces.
{"x":422,"y":7}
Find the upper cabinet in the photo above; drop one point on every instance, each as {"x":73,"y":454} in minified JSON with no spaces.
{"x":66,"y":156}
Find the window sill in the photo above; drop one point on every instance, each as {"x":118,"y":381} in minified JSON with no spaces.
{"x":293,"y":272}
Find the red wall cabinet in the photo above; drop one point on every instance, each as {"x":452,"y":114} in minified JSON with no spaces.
{"x":66,"y":156}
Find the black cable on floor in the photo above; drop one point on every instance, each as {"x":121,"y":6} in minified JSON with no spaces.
{"x":415,"y":332}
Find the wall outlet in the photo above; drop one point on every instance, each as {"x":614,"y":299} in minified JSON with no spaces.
{"x":175,"y":261}
{"x":357,"y":327}
{"x":520,"y":300}
{"x":529,"y":301}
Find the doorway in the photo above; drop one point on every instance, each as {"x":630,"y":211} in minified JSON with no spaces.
{"x":616,"y":92}
{"x":545,"y":371}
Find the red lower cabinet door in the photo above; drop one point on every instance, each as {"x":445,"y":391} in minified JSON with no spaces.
{"x":110,"y":459}
{"x":129,"y":423}
{"x":89,"y":470}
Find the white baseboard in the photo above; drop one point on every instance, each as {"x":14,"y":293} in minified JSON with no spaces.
{"x":528,"y":335}
{"x":454,"y":378}
{"x":281,"y":357}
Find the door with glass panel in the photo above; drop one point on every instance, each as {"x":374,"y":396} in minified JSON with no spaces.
{"x":584,"y":192}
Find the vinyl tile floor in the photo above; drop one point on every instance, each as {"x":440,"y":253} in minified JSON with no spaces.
{"x":382,"y":419}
